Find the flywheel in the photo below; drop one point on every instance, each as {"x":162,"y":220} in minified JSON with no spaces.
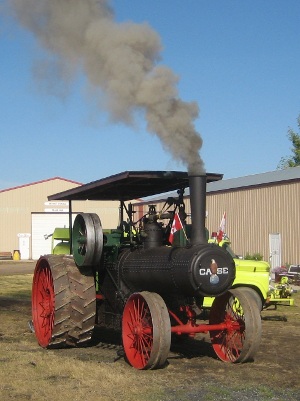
{"x":87,"y":239}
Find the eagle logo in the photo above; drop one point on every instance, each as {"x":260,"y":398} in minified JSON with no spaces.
{"x":214,"y":279}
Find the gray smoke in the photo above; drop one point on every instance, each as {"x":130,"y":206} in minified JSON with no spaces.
{"x":120,"y":61}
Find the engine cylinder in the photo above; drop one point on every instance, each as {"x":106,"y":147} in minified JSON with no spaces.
{"x":153,"y":235}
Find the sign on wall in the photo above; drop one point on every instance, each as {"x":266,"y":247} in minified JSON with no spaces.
{"x":56,"y":207}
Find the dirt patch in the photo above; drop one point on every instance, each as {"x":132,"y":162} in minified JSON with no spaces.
{"x":99,"y":371}
{"x":12,"y":267}
{"x":193,"y":361}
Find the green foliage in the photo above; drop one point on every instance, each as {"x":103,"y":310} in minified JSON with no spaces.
{"x":255,"y":256}
{"x":294,"y":160}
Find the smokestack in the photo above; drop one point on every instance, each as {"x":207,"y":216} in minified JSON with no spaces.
{"x":198,"y":208}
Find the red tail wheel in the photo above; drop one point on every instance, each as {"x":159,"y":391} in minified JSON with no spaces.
{"x":50,"y":301}
{"x":241,"y":339}
{"x":146,"y":330}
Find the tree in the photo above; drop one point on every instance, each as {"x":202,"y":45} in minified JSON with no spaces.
{"x":294,"y":160}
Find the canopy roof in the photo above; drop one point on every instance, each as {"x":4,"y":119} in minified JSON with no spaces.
{"x":130,"y":185}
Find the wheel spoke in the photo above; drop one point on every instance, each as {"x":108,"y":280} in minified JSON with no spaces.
{"x":233,"y":345}
{"x":140,"y":340}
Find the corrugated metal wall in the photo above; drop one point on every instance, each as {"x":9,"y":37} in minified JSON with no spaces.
{"x":252,"y":214}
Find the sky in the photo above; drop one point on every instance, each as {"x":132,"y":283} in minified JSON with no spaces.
{"x":238,"y":60}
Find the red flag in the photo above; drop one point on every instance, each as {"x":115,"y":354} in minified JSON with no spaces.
{"x":176,"y":226}
{"x":221,"y":231}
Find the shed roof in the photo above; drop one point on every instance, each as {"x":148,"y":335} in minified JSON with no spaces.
{"x":268,"y":178}
{"x":39,"y":182}
{"x":131,"y":185}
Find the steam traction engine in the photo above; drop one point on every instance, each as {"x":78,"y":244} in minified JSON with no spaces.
{"x":133,"y":279}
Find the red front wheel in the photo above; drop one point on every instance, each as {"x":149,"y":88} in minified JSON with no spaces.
{"x":241,"y":339}
{"x":146,"y":331}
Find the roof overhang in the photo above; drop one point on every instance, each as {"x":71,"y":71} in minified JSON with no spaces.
{"x":131,"y":185}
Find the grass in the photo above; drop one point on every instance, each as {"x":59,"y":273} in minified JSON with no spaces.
{"x":29,"y":372}
{"x":16,"y":287}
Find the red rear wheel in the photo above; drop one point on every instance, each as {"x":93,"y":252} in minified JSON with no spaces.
{"x":146,"y":331}
{"x":240,"y":341}
{"x":46,"y":307}
{"x":63,"y":302}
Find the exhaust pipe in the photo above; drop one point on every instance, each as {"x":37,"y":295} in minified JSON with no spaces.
{"x":198,"y":208}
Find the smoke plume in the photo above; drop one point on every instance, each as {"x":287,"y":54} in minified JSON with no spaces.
{"x":120,"y":61}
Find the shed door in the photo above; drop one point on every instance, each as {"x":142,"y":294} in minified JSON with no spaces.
{"x":275,"y":250}
{"x":44,"y":224}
